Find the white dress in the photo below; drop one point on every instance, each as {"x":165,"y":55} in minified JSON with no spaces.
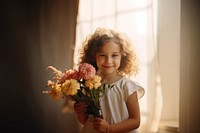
{"x":114,"y":103}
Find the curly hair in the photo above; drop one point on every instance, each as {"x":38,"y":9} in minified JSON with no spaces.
{"x":94,"y":42}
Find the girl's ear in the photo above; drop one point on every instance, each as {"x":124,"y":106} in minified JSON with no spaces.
{"x":124,"y":54}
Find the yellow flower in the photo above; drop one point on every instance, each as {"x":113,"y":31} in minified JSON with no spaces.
{"x":70,"y":87}
{"x":56,"y":91}
{"x":93,"y":83}
{"x":97,"y":81}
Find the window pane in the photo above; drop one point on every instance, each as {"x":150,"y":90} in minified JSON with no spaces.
{"x":135,"y":5}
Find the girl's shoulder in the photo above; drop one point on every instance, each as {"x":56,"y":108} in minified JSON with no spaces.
{"x":126,"y":81}
{"x":130,"y":85}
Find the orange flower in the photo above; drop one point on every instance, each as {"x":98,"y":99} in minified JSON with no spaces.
{"x":55,"y":91}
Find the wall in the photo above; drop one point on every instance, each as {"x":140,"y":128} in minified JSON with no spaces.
{"x":183,"y":74}
{"x":169,"y":58}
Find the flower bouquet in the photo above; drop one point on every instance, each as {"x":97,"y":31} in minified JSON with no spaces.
{"x":80,"y":85}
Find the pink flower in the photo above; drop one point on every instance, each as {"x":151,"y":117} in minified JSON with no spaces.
{"x":86,"y":71}
{"x":71,"y":74}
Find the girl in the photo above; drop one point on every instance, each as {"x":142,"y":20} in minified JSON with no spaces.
{"x":111,"y":54}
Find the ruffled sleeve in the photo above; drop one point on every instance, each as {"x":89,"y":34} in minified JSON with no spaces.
{"x":131,"y":87}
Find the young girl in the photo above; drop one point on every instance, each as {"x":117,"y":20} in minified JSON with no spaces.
{"x":110,"y":52}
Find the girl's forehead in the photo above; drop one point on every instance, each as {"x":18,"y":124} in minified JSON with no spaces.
{"x":110,"y":46}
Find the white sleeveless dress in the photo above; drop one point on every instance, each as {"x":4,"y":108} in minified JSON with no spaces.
{"x":114,"y":103}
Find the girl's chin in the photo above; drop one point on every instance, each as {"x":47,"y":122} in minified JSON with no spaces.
{"x":108,"y":72}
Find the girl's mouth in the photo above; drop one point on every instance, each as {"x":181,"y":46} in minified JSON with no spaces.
{"x":107,"y":66}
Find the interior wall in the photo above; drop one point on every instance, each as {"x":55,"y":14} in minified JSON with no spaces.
{"x":189,"y":67}
{"x":34,"y":34}
{"x":169,"y":56}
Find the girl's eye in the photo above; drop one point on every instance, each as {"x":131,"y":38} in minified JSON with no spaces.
{"x":102,"y":55}
{"x":115,"y":55}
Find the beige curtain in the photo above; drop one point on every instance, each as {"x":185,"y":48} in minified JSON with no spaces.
{"x":57,"y":38}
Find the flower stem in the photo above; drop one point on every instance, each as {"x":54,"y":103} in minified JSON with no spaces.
{"x":95,"y":104}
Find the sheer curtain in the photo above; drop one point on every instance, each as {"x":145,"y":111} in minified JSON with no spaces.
{"x":137,"y":19}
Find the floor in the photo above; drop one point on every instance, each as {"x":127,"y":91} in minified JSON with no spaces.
{"x":168,"y":131}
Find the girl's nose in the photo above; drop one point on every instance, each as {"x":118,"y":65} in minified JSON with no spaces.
{"x":108,"y":60}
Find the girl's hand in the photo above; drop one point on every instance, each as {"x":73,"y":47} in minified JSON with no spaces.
{"x":80,"y":107}
{"x":101,"y":125}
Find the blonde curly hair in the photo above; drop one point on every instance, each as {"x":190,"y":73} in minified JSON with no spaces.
{"x":94,"y":42}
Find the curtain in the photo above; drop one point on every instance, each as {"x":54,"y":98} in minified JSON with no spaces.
{"x":57,"y":39}
{"x":137,"y":19}
{"x":35,"y":34}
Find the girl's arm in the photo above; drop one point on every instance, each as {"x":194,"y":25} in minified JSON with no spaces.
{"x":131,"y":123}
{"x":80,"y":108}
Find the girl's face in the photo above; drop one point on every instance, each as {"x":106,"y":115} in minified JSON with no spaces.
{"x":108,"y":58}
